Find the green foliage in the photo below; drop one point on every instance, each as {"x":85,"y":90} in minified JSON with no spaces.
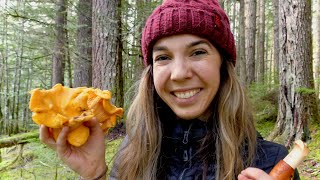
{"x":264,"y":100}
{"x":112,"y":148}
{"x":314,"y":143}
{"x":40,"y":162}
{"x":265,"y":127}
{"x":37,"y":162}
{"x":305,"y":91}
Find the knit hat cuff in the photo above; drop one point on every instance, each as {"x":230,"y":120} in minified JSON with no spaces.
{"x":194,"y":18}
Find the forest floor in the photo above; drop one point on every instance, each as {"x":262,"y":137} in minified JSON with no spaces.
{"x":309,"y":169}
{"x":38,"y":162}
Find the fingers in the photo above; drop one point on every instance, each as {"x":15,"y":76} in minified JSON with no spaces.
{"x":242,"y":177}
{"x":94,"y":126}
{"x":62,"y":144}
{"x":45,"y":137}
{"x":96,"y":138}
{"x":254,"y":173}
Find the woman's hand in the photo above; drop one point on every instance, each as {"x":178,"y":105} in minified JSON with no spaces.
{"x":254,"y":174}
{"x":87,"y":160}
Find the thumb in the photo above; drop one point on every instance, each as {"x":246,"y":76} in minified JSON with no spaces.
{"x":255,"y":173}
{"x":94,"y":126}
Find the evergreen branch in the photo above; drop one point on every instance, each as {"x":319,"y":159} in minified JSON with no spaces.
{"x":17,"y":15}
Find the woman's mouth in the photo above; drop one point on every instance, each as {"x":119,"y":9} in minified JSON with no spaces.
{"x":186,"y":94}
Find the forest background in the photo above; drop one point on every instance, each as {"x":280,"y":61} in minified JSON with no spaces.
{"x":97,"y":44}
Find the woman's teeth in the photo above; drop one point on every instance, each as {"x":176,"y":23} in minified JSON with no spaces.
{"x":186,"y":94}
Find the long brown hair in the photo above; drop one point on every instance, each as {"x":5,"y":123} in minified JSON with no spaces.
{"x":233,"y":130}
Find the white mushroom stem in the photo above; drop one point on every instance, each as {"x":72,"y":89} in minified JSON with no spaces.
{"x":297,"y":154}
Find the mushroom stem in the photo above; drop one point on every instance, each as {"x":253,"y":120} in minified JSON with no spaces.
{"x":284,"y":169}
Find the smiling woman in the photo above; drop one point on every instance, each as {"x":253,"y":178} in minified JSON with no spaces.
{"x":190,"y":118}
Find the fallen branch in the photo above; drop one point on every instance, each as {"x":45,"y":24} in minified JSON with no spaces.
{"x":9,"y":164}
{"x":18,"y":139}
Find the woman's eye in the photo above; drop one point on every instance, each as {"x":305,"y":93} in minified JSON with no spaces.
{"x":161,"y":58}
{"x":198,"y":52}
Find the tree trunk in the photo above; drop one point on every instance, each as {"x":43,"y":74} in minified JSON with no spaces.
{"x":297,"y":102}
{"x":1,"y":84}
{"x":221,"y":2}
{"x":17,"y":85}
{"x":250,"y":40}
{"x":234,"y":13}
{"x":104,"y":46}
{"x":6,"y":119}
{"x":261,"y":42}
{"x":83,"y":62}
{"x":276,"y":47}
{"x":317,"y":59}
{"x":26,"y":97}
{"x":242,"y":41}
{"x":119,"y":90}
{"x":19,"y":139}
{"x":68,"y":60}
{"x":59,"y":54}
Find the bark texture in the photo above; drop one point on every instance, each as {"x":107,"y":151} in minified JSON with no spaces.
{"x":250,"y":10}
{"x":242,"y":43}
{"x":317,"y":59}
{"x":119,"y":91}
{"x":104,"y":43}
{"x":261,"y":42}
{"x":82,"y":65}
{"x":276,"y":48}
{"x":60,"y":44}
{"x":297,"y":103}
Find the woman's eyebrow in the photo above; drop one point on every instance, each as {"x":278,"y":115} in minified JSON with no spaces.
{"x":195,"y":43}
{"x":159,"y":48}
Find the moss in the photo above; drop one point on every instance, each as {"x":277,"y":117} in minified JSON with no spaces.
{"x":265,"y":127}
{"x":264,"y":100}
{"x":112,"y":148}
{"x":314,"y":143}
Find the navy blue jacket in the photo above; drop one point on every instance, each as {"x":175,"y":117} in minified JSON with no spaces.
{"x":179,"y":158}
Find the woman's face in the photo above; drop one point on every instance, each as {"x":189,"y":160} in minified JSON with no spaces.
{"x":186,"y":74}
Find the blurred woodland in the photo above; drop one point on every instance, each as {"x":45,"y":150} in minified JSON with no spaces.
{"x":97,"y":44}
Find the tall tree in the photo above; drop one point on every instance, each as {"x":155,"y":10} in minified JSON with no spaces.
{"x":242,"y":41}
{"x":2,"y":72}
{"x":119,"y":90}
{"x":221,"y":2}
{"x":261,"y":42}
{"x":104,"y":42}
{"x":18,"y":71}
{"x":83,"y":61}
{"x":59,"y":53}
{"x":297,"y":104}
{"x":5,"y":55}
{"x":250,"y":6}
{"x":276,"y":47}
{"x":317,"y":59}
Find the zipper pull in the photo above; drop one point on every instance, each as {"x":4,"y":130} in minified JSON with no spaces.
{"x":185,"y":137}
{"x":185,"y":155}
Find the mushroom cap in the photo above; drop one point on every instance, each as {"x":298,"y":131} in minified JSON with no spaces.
{"x":63,"y":106}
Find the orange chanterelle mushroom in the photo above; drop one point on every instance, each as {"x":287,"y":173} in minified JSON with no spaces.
{"x":62,"y":106}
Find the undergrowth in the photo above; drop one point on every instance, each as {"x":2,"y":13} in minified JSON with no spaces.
{"x":264,"y":100}
{"x":40,"y":162}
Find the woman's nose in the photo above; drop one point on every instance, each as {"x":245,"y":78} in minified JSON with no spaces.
{"x":181,"y":69}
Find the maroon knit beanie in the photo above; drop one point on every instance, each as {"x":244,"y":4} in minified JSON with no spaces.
{"x":203,"y":18}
